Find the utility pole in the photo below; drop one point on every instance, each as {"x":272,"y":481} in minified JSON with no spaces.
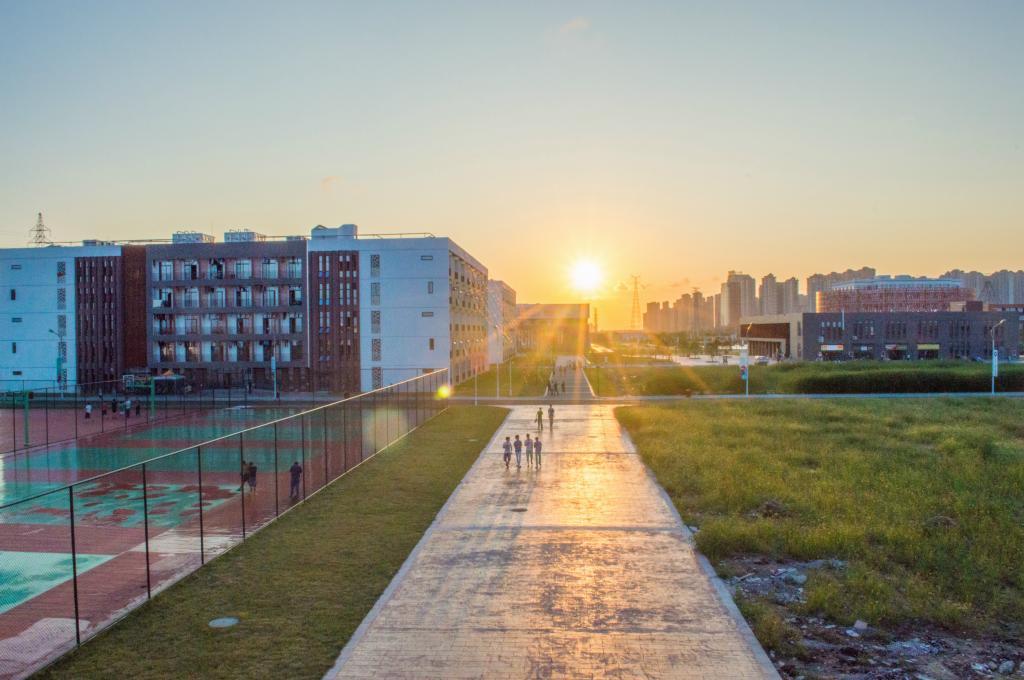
{"x":40,"y":233}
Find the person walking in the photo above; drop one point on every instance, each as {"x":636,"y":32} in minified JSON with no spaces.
{"x":252,"y":476}
{"x":296,"y":472}
{"x":127,"y":408}
{"x":563,"y":387}
{"x":507,"y":448}
{"x":518,"y":446}
{"x":529,"y":451}
{"x":88,"y":411}
{"x":244,"y":475}
{"x":138,"y":408}
{"x":540,"y":419}
{"x":537,"y":446}
{"x":551,"y":416}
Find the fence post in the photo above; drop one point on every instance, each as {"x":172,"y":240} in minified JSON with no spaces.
{"x":277,"y":481}
{"x":145,"y":528}
{"x":323,"y":411}
{"x":241,"y":462}
{"x":46,"y":416}
{"x":302,"y":443}
{"x":74,"y":562}
{"x":75,"y":411}
{"x":199,"y":465}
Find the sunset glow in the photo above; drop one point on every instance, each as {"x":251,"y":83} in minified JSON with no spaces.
{"x":586,"y":277}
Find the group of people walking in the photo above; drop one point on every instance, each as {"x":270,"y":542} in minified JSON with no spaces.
{"x":556,"y":381}
{"x":533,"y":445}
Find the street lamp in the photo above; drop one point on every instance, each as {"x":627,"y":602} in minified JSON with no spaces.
{"x":995,"y":357}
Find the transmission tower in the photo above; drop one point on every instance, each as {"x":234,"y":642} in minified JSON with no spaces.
{"x":635,"y":320}
{"x":40,"y":233}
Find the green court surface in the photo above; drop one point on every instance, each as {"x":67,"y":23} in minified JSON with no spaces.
{"x":23,"y":575}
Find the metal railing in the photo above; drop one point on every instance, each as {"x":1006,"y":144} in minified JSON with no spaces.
{"x":84,"y":555}
{"x":41,"y":416}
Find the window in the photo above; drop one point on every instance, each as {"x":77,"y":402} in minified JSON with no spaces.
{"x":375,"y":349}
{"x":425,"y":314}
{"x":375,"y":322}
{"x":14,"y":348}
{"x":426,"y":258}
{"x":430,"y":287}
{"x":62,"y":271}
{"x":16,"y":319}
{"x":15,"y":266}
{"x":62,"y":298}
{"x":378,"y":378}
{"x":430,"y":344}
{"x":375,"y":265}
{"x":14,"y":294}
{"x":374,"y":293}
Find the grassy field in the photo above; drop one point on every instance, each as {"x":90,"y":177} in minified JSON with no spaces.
{"x":529,"y":379}
{"x":302,"y":585}
{"x":923,"y":498}
{"x":805,"y":378}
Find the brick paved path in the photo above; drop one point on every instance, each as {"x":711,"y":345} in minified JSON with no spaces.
{"x":579,"y":569}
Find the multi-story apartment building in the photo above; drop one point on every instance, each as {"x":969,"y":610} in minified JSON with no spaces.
{"x":332,"y":312}
{"x":231,"y":312}
{"x":420,"y":304}
{"x":501,"y":317}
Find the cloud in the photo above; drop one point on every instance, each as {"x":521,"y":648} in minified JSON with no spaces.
{"x":329,"y":184}
{"x":574,"y":25}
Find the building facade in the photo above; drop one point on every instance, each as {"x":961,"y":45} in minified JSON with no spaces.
{"x":332,"y":312}
{"x":832,"y":336}
{"x":894,"y":294}
{"x":501,"y":317}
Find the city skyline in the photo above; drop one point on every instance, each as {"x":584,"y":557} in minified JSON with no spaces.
{"x":674,"y":142}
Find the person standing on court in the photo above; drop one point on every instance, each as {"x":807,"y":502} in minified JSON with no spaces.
{"x":88,"y":411}
{"x":252,"y":476}
{"x":507,"y":448}
{"x":518,"y":446}
{"x":540,"y":418}
{"x":551,"y":416}
{"x":296,"y":472}
{"x":537,"y":446}
{"x":529,"y":451}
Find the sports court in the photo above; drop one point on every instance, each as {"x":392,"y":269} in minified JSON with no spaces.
{"x":125,"y":530}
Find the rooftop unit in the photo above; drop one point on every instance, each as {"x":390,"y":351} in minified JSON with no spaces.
{"x":242,"y":236}
{"x":191,"y":237}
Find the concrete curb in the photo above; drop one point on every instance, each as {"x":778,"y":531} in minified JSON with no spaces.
{"x":709,"y":571}
{"x":389,"y":592}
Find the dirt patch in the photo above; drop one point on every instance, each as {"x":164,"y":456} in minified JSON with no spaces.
{"x":865,"y":651}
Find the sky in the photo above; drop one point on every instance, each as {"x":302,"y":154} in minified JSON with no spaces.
{"x":671,"y":140}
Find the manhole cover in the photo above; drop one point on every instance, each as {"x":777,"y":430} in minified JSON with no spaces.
{"x":518,"y":509}
{"x":224,"y":622}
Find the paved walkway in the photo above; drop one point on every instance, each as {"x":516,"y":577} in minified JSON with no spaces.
{"x":571,"y":380}
{"x":578,"y":569}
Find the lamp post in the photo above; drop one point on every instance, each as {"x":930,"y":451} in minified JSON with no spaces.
{"x":995,"y":355}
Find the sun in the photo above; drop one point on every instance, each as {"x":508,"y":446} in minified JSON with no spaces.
{"x":586,"y":276}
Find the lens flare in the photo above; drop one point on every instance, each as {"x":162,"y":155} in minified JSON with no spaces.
{"x":444,"y":391}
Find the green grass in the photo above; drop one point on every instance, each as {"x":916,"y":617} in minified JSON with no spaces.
{"x":302,"y":585}
{"x":529,"y":379}
{"x":924,"y":498}
{"x":805,"y":378}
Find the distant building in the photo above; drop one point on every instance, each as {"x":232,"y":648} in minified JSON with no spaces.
{"x":770,"y":295}
{"x":501,"y":319}
{"x":817,"y":283}
{"x":789,"y":294}
{"x":894,"y":336}
{"x":894,"y":294}
{"x":553,"y":328}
